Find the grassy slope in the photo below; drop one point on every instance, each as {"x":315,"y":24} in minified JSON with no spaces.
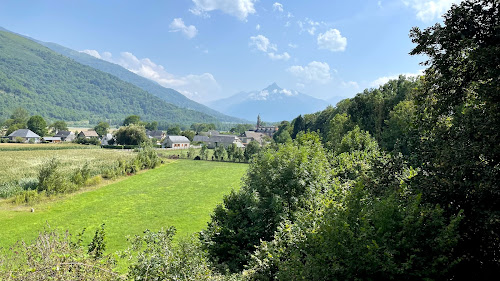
{"x":182,"y":193}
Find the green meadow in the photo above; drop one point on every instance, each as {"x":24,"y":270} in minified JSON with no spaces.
{"x":181,"y":193}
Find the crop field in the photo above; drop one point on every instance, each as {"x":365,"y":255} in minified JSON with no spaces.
{"x":18,"y":161}
{"x":181,"y":193}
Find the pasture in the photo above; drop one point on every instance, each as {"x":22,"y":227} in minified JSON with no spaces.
{"x":181,"y":193}
{"x":18,"y":161}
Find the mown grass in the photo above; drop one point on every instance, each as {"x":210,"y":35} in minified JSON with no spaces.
{"x":182,"y":193}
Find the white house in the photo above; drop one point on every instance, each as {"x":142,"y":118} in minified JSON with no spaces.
{"x":176,"y":142}
{"x":25,"y":134}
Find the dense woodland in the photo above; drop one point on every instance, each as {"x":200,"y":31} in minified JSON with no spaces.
{"x":397,"y":183}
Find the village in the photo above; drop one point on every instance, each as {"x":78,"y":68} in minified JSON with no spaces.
{"x":160,"y":139}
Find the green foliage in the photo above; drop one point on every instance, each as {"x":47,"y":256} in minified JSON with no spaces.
{"x":241,"y":128}
{"x":458,"y":122}
{"x":356,"y":140}
{"x":220,"y":153}
{"x":131,"y":135}
{"x":174,"y":131}
{"x":358,"y":236}
{"x":338,"y":127}
{"x":87,"y":141}
{"x":53,"y":256}
{"x":277,"y":184}
{"x":251,"y":149}
{"x":204,"y":152}
{"x":202,"y":127}
{"x":97,"y":246}
{"x":102,"y":128}
{"x":188,"y":134}
{"x":50,"y":180}
{"x":132,"y":120}
{"x":59,"y":126}
{"x":157,"y":258}
{"x":38,"y":125}
{"x":152,"y":126}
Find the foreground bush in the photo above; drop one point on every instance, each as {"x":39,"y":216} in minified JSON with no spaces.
{"x":54,"y":256}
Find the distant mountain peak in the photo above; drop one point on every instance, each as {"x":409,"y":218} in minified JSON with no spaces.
{"x":272,"y":87}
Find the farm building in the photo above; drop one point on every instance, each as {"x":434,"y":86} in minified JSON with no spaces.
{"x":88,"y":134}
{"x":225,"y":140}
{"x":176,"y":142}
{"x":65,"y":135}
{"x":52,"y":139}
{"x":25,"y":134}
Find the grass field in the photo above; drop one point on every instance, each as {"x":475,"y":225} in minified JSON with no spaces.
{"x":181,"y":193}
{"x":24,"y":160}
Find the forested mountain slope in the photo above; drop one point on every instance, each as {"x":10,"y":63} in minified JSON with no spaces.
{"x":49,"y":84}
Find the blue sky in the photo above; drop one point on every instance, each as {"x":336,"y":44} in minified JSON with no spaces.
{"x":210,"y":49}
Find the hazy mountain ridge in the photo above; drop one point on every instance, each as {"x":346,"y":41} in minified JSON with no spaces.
{"x":273,"y":103}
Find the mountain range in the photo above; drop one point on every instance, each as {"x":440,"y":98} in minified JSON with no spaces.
{"x":273,"y":103}
{"x":59,"y":88}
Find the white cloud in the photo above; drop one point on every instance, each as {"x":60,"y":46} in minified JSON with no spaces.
{"x":178,"y":25}
{"x":278,"y":7}
{"x":332,"y":40}
{"x":257,"y":27}
{"x":198,"y":87}
{"x":350,"y":84}
{"x":261,"y":43}
{"x":293,"y":46}
{"x":430,"y":10}
{"x":285,"y":56}
{"x":238,"y":8}
{"x":93,"y":53}
{"x":382,"y":80}
{"x":309,"y":25}
{"x":315,"y":71}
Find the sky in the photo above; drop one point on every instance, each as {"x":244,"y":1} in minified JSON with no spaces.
{"x":211,"y":49}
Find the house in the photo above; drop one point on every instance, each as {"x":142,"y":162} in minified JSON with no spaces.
{"x":65,"y":135}
{"x":225,"y":140}
{"x":108,"y":140}
{"x":249,"y":136}
{"x":199,"y":138}
{"x":269,"y":130}
{"x":88,"y":134}
{"x":52,"y":139}
{"x":176,"y":142}
{"x":156,"y":134}
{"x":210,"y":133}
{"x":25,"y":134}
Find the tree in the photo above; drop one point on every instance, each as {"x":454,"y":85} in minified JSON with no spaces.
{"x":59,"y":126}
{"x":298,"y":126}
{"x":131,"y":135}
{"x":220,"y":153}
{"x":458,"y":119}
{"x":277,"y":184}
{"x":132,"y":119}
{"x":204,"y":152}
{"x":188,"y":134}
{"x":251,"y":149}
{"x":232,"y":151}
{"x":20,"y":116}
{"x":152,"y":126}
{"x":338,"y":127}
{"x":174,"y":131}
{"x":38,"y":125}
{"x":202,"y":127}
{"x":102,"y":128}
